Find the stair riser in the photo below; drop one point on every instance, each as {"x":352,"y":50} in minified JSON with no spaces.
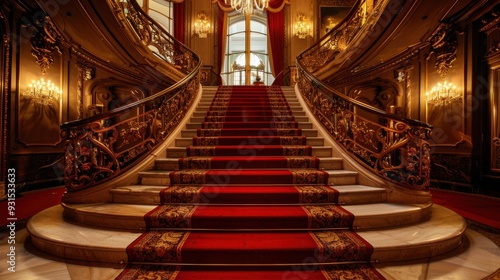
{"x":219,"y":197}
{"x":165,"y":180}
{"x":204,"y":108}
{"x":198,"y":125}
{"x":204,"y":113}
{"x":394,"y":219}
{"x":185,"y":142}
{"x":202,"y":119}
{"x":193,"y":133}
{"x":316,"y":151}
{"x":207,"y":104}
{"x":171,"y":165}
{"x":202,"y":222}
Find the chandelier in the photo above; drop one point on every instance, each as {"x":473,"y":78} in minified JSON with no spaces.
{"x":249,"y":6}
{"x":443,"y":93}
{"x":202,"y":26}
{"x":302,"y":27}
{"x":45,"y":93}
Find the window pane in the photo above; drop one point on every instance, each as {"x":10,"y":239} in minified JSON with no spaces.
{"x":237,"y":26}
{"x":258,"y":43}
{"x":163,"y":13}
{"x":257,"y":26}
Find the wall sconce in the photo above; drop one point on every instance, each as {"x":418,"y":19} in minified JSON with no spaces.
{"x":45,"y":93}
{"x":302,"y":27}
{"x":202,"y":26}
{"x":443,"y":93}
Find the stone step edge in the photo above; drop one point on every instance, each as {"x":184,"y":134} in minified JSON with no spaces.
{"x":150,"y":194}
{"x":131,"y":217}
{"x":324,"y":162}
{"x":441,"y":233}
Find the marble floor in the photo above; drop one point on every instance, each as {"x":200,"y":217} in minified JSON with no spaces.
{"x":478,"y":258}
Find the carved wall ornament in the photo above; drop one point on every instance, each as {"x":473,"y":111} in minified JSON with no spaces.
{"x":45,"y":42}
{"x":85,"y":73}
{"x":110,"y":93}
{"x":403,"y":74}
{"x":493,"y":49}
{"x":379,"y":93}
{"x":491,"y":20}
{"x":444,"y":44}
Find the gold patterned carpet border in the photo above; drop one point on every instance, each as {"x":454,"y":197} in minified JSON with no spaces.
{"x":341,"y":246}
{"x":158,"y":246}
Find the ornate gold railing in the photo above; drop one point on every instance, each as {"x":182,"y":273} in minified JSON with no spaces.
{"x":104,"y":146}
{"x":339,"y":37}
{"x":153,"y":36}
{"x":393,"y":147}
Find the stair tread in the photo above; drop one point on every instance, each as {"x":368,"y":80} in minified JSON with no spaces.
{"x":134,"y":189}
{"x":251,"y":194}
{"x":120,"y":210}
{"x":322,"y":159}
{"x":442,"y":230}
{"x":242,"y":171}
{"x":313,"y":147}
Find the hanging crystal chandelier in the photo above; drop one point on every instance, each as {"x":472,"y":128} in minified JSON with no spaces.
{"x":249,"y":6}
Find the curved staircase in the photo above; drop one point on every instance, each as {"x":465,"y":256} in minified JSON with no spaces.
{"x":250,"y":191}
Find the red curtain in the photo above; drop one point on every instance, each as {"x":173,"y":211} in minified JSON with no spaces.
{"x":276,"y":37}
{"x":179,"y":21}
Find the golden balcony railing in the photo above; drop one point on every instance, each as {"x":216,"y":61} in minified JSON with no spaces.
{"x":104,"y":146}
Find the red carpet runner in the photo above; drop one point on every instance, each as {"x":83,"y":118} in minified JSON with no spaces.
{"x":249,"y":202}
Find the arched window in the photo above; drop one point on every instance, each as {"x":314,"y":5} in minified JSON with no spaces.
{"x":161,"y":11}
{"x":246,"y":58}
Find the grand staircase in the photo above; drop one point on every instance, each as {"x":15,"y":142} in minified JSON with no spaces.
{"x":249,"y":191}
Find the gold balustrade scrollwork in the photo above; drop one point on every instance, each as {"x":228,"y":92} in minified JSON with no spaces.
{"x":153,"y":36}
{"x":340,"y":37}
{"x":102,"y":147}
{"x":105,"y":145}
{"x":393,"y":147}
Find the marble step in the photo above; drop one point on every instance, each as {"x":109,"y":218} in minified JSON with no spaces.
{"x":150,"y":194}
{"x":203,"y":113}
{"x":302,"y":119}
{"x":442,"y":232}
{"x":318,"y":151}
{"x":205,"y":108}
{"x":301,"y":125}
{"x":311,"y":141}
{"x":171,"y":164}
{"x":161,"y":178}
{"x":190,"y":133}
{"x":207,"y":103}
{"x":242,"y":217}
